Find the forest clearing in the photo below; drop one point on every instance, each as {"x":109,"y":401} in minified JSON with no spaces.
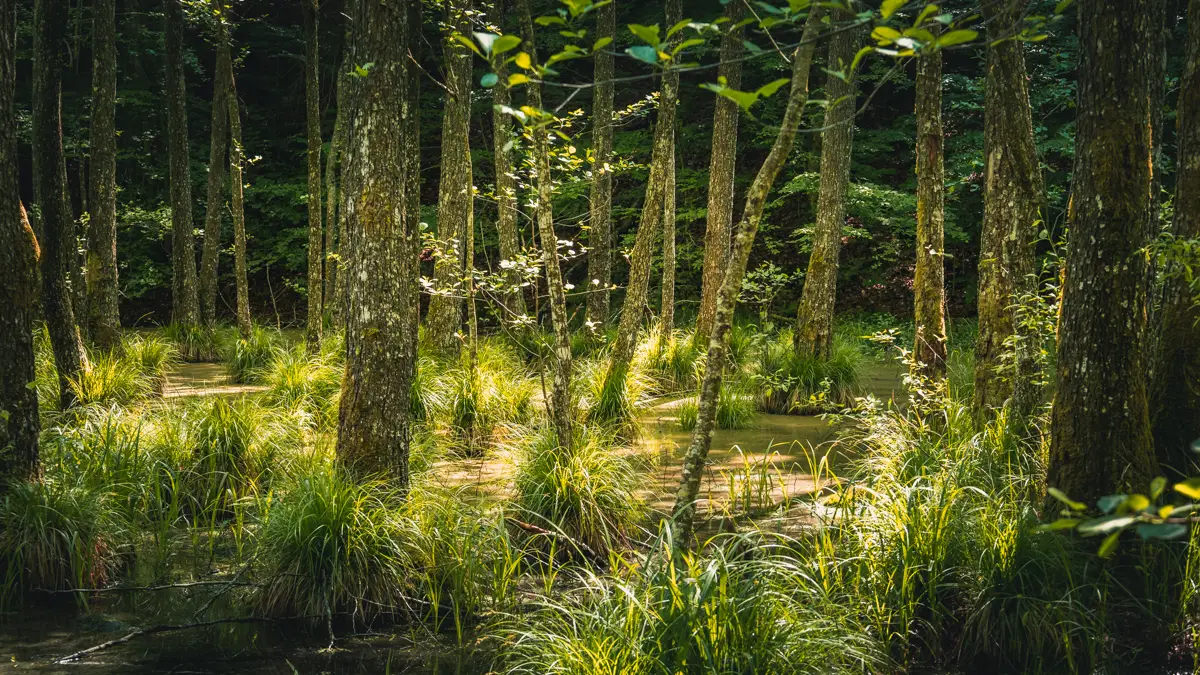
{"x":590,"y":337}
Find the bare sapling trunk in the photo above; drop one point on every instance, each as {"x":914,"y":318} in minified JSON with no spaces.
{"x":667,"y":312}
{"x":103,"y":316}
{"x":506,"y":192}
{"x":185,"y":298}
{"x":215,"y":203}
{"x":237,"y":160}
{"x":684,"y":512}
{"x":929,"y":277}
{"x":316,"y":234}
{"x":600,"y":233}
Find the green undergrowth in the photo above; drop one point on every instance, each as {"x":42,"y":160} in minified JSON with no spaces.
{"x":736,"y":408}
{"x":132,"y":371}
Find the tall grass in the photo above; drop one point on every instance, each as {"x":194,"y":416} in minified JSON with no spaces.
{"x":195,"y":343}
{"x":735,"y":407}
{"x":791,"y":383}
{"x":245,"y":359}
{"x":306,"y":386}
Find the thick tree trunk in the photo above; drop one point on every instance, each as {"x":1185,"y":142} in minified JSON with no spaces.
{"x":814,"y":319}
{"x":455,"y":200}
{"x":316,"y":235}
{"x":506,"y":190}
{"x":721,"y":171}
{"x":215,"y":202}
{"x":684,"y":512}
{"x":560,"y":394}
{"x":667,"y":312}
{"x":649,"y":228}
{"x":237,"y":159}
{"x":929,"y":278}
{"x":374,"y":426}
{"x":103,"y":317}
{"x":1012,"y":202}
{"x":49,"y":183}
{"x":600,"y":247}
{"x":185,"y":300}
{"x":1100,"y":428}
{"x":18,"y":284}
{"x":1176,"y":387}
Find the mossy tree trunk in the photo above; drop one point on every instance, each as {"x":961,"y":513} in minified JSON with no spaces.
{"x":667,"y":311}
{"x":237,"y":160}
{"x":1100,"y":427}
{"x":721,"y":173}
{"x":455,"y":198}
{"x":49,"y":183}
{"x":1012,"y":201}
{"x":684,"y":511}
{"x":600,"y":246}
{"x":19,"y":423}
{"x":503,"y":139}
{"x":185,"y":299}
{"x":1176,"y":385}
{"x":560,"y":395}
{"x":814,"y":318}
{"x":347,"y":101}
{"x":374,"y":419}
{"x":316,"y":234}
{"x":215,"y":202}
{"x":330,"y":301}
{"x":929,"y":277}
{"x":103,"y":316}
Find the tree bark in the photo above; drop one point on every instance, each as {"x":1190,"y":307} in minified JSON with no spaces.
{"x":237,"y":158}
{"x":215,"y":203}
{"x":374,"y":431}
{"x":185,"y":308}
{"x":506,"y":187}
{"x":1012,"y":202}
{"x":929,"y":278}
{"x":49,"y":182}
{"x":560,"y":394}
{"x":667,"y":311}
{"x":1100,"y":427}
{"x":332,"y":167}
{"x":19,"y":424}
{"x":316,"y":234}
{"x":684,"y":512}
{"x":600,"y":246}
{"x":721,"y":171}
{"x":649,"y":228}
{"x":455,"y":198}
{"x":103,"y":315}
{"x":1176,"y":385}
{"x":814,"y":318}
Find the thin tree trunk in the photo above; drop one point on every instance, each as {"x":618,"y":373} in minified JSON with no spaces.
{"x":721,"y":171}
{"x":1100,"y":427}
{"x":49,"y":182}
{"x":649,"y":229}
{"x":667,"y":312}
{"x":18,"y":284}
{"x":455,"y":199}
{"x":103,"y":315}
{"x":185,"y":308}
{"x":1176,"y":386}
{"x":237,"y":158}
{"x":560,"y":395}
{"x":316,"y":235}
{"x":215,"y":203}
{"x":1012,"y":203}
{"x":814,"y":318}
{"x":929,"y":278}
{"x":506,"y":187}
{"x":600,"y":236}
{"x":332,"y":167}
{"x":684,"y":512}
{"x":374,"y":426}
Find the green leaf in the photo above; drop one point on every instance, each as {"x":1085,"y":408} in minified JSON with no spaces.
{"x":859,"y":57}
{"x":550,"y":21}
{"x":517,"y":78}
{"x":1062,"y":6}
{"x":771,"y":87}
{"x":1156,"y":487}
{"x":957,"y":37}
{"x":1189,"y":488}
{"x":1060,"y":524}
{"x":889,"y":7}
{"x":505,"y":43}
{"x":1136,"y":503}
{"x":685,"y":44}
{"x":678,"y":27}
{"x":470,"y":45}
{"x":769,"y":8}
{"x":647,"y":34}
{"x":486,"y":40}
{"x":1104,"y":525}
{"x":797,"y":6}
{"x":489,"y":80}
{"x":1109,"y":502}
{"x":751,"y":47}
{"x":885,"y":35}
{"x":1161,"y":530}
{"x":601,"y":43}
{"x":644,"y":53}
{"x":1062,"y":497}
{"x":1109,"y":544}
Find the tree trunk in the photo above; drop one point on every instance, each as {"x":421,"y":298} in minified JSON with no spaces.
{"x":506,"y":188}
{"x":667,"y":311}
{"x":316,"y":235}
{"x":185,"y":300}
{"x":1012,"y":202}
{"x":814,"y":319}
{"x":684,"y":512}
{"x":374,"y":426}
{"x":237,"y":158}
{"x":455,"y":199}
{"x":560,"y":394}
{"x":215,"y":203}
{"x":332,"y":166}
{"x":648,"y":230}
{"x":19,"y":424}
{"x":103,"y":315}
{"x":49,"y":181}
{"x":1176,"y":386}
{"x":929,"y":278}
{"x":600,"y":246}
{"x":721,"y":170}
{"x":1100,"y":428}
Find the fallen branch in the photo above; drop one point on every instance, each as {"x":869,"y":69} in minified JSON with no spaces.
{"x":161,"y":628}
{"x":160,"y":587}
